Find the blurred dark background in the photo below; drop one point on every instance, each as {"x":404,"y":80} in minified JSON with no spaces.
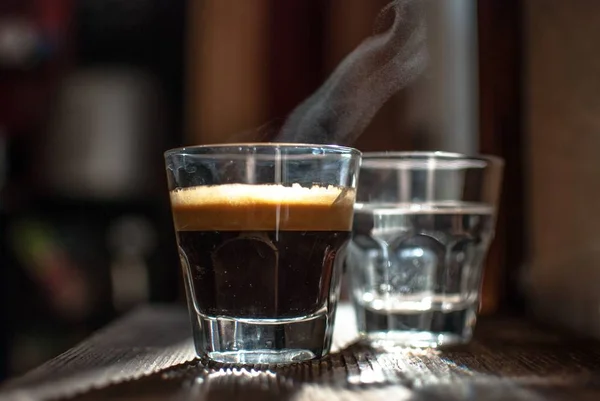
{"x":92,"y":92}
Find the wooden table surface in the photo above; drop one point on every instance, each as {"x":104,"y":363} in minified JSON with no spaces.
{"x":148,"y":355}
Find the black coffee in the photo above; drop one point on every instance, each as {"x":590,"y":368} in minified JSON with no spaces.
{"x":261,"y":274}
{"x":239,"y":265}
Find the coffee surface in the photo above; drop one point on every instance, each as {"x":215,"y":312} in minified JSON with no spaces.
{"x":240,"y":207}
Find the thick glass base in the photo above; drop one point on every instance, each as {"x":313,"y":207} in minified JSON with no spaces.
{"x":261,"y":356}
{"x":426,"y":328}
{"x":252,"y":341}
{"x":416,"y":339}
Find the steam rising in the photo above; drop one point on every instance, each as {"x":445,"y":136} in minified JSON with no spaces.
{"x":340,"y":110}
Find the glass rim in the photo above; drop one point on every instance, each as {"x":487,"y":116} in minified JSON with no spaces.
{"x":429,"y":159}
{"x":198,"y":150}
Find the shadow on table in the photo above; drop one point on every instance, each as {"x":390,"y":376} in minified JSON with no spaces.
{"x":507,"y":362}
{"x":356,"y":372}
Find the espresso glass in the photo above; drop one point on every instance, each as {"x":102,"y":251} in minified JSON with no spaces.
{"x":262,"y":231}
{"x":423,"y":223}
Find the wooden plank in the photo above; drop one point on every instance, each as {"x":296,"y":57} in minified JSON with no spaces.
{"x":510,"y":359}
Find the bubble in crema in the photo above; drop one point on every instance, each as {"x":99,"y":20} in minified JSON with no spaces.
{"x":383,"y":64}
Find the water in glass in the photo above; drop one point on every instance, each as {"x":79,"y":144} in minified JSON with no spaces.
{"x":416,"y":270}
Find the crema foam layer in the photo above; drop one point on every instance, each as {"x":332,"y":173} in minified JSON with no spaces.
{"x":246,"y":207}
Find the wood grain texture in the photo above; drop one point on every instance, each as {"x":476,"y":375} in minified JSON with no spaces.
{"x":510,"y":359}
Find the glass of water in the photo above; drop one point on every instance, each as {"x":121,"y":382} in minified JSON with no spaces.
{"x":423,"y":223}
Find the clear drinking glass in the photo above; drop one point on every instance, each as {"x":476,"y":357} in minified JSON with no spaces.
{"x":423,"y":223}
{"x":262,"y":231}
